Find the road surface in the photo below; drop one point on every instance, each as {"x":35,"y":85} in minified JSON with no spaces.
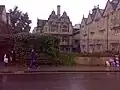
{"x":64,"y":81}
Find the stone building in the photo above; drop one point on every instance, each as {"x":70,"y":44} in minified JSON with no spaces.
{"x":5,"y":23}
{"x":5,"y":31}
{"x":76,"y":38}
{"x":57,"y":25}
{"x":100,"y":31}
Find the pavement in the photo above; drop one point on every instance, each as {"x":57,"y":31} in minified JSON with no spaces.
{"x":56,"y":69}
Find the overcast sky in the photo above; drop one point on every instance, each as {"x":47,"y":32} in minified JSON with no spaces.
{"x":42,"y":8}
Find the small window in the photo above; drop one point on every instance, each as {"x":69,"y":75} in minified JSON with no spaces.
{"x":102,"y":31}
{"x":64,"y":26}
{"x":92,"y":33}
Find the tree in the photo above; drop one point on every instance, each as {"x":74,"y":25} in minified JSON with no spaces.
{"x":20,"y":21}
{"x":24,"y":42}
{"x":50,"y":45}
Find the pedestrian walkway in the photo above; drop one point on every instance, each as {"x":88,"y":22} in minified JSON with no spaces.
{"x":15,"y":69}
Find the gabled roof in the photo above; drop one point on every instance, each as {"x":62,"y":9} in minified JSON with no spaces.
{"x":89,"y":19}
{"x":114,"y":3}
{"x":52,"y":15}
{"x":94,"y":10}
{"x":65,"y":16}
{"x":2,"y":7}
{"x":118,"y":6}
{"x":109,"y":4}
{"x":84,"y":20}
{"x":98,"y":14}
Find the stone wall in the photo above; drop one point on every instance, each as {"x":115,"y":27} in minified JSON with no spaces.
{"x":92,"y":61}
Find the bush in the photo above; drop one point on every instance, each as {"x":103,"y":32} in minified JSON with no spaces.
{"x":67,"y":59}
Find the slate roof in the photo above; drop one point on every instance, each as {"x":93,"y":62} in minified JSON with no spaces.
{"x":114,"y":3}
{"x":94,"y":13}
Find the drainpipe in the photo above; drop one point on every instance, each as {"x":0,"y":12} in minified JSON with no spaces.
{"x":88,"y":42}
{"x":107,"y":31}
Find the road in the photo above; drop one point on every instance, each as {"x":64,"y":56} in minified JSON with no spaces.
{"x":64,"y":81}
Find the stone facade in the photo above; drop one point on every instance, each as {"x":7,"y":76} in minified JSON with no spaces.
{"x":76,"y":38}
{"x":5,"y":23}
{"x":5,"y":31}
{"x":91,"y":61}
{"x":100,"y":31}
{"x":57,"y":25}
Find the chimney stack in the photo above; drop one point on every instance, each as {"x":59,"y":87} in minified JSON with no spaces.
{"x":58,"y":11}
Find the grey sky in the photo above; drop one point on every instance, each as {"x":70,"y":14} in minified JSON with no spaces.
{"x":43,"y":8}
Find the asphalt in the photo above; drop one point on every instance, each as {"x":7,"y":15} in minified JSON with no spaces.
{"x":64,"y":81}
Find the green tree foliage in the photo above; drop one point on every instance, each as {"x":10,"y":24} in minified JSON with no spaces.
{"x":20,"y":21}
{"x":67,"y":59}
{"x":50,"y":45}
{"x":47,"y":45}
{"x":24,"y":42}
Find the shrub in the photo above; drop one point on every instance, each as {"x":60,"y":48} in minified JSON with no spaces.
{"x":67,"y":59}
